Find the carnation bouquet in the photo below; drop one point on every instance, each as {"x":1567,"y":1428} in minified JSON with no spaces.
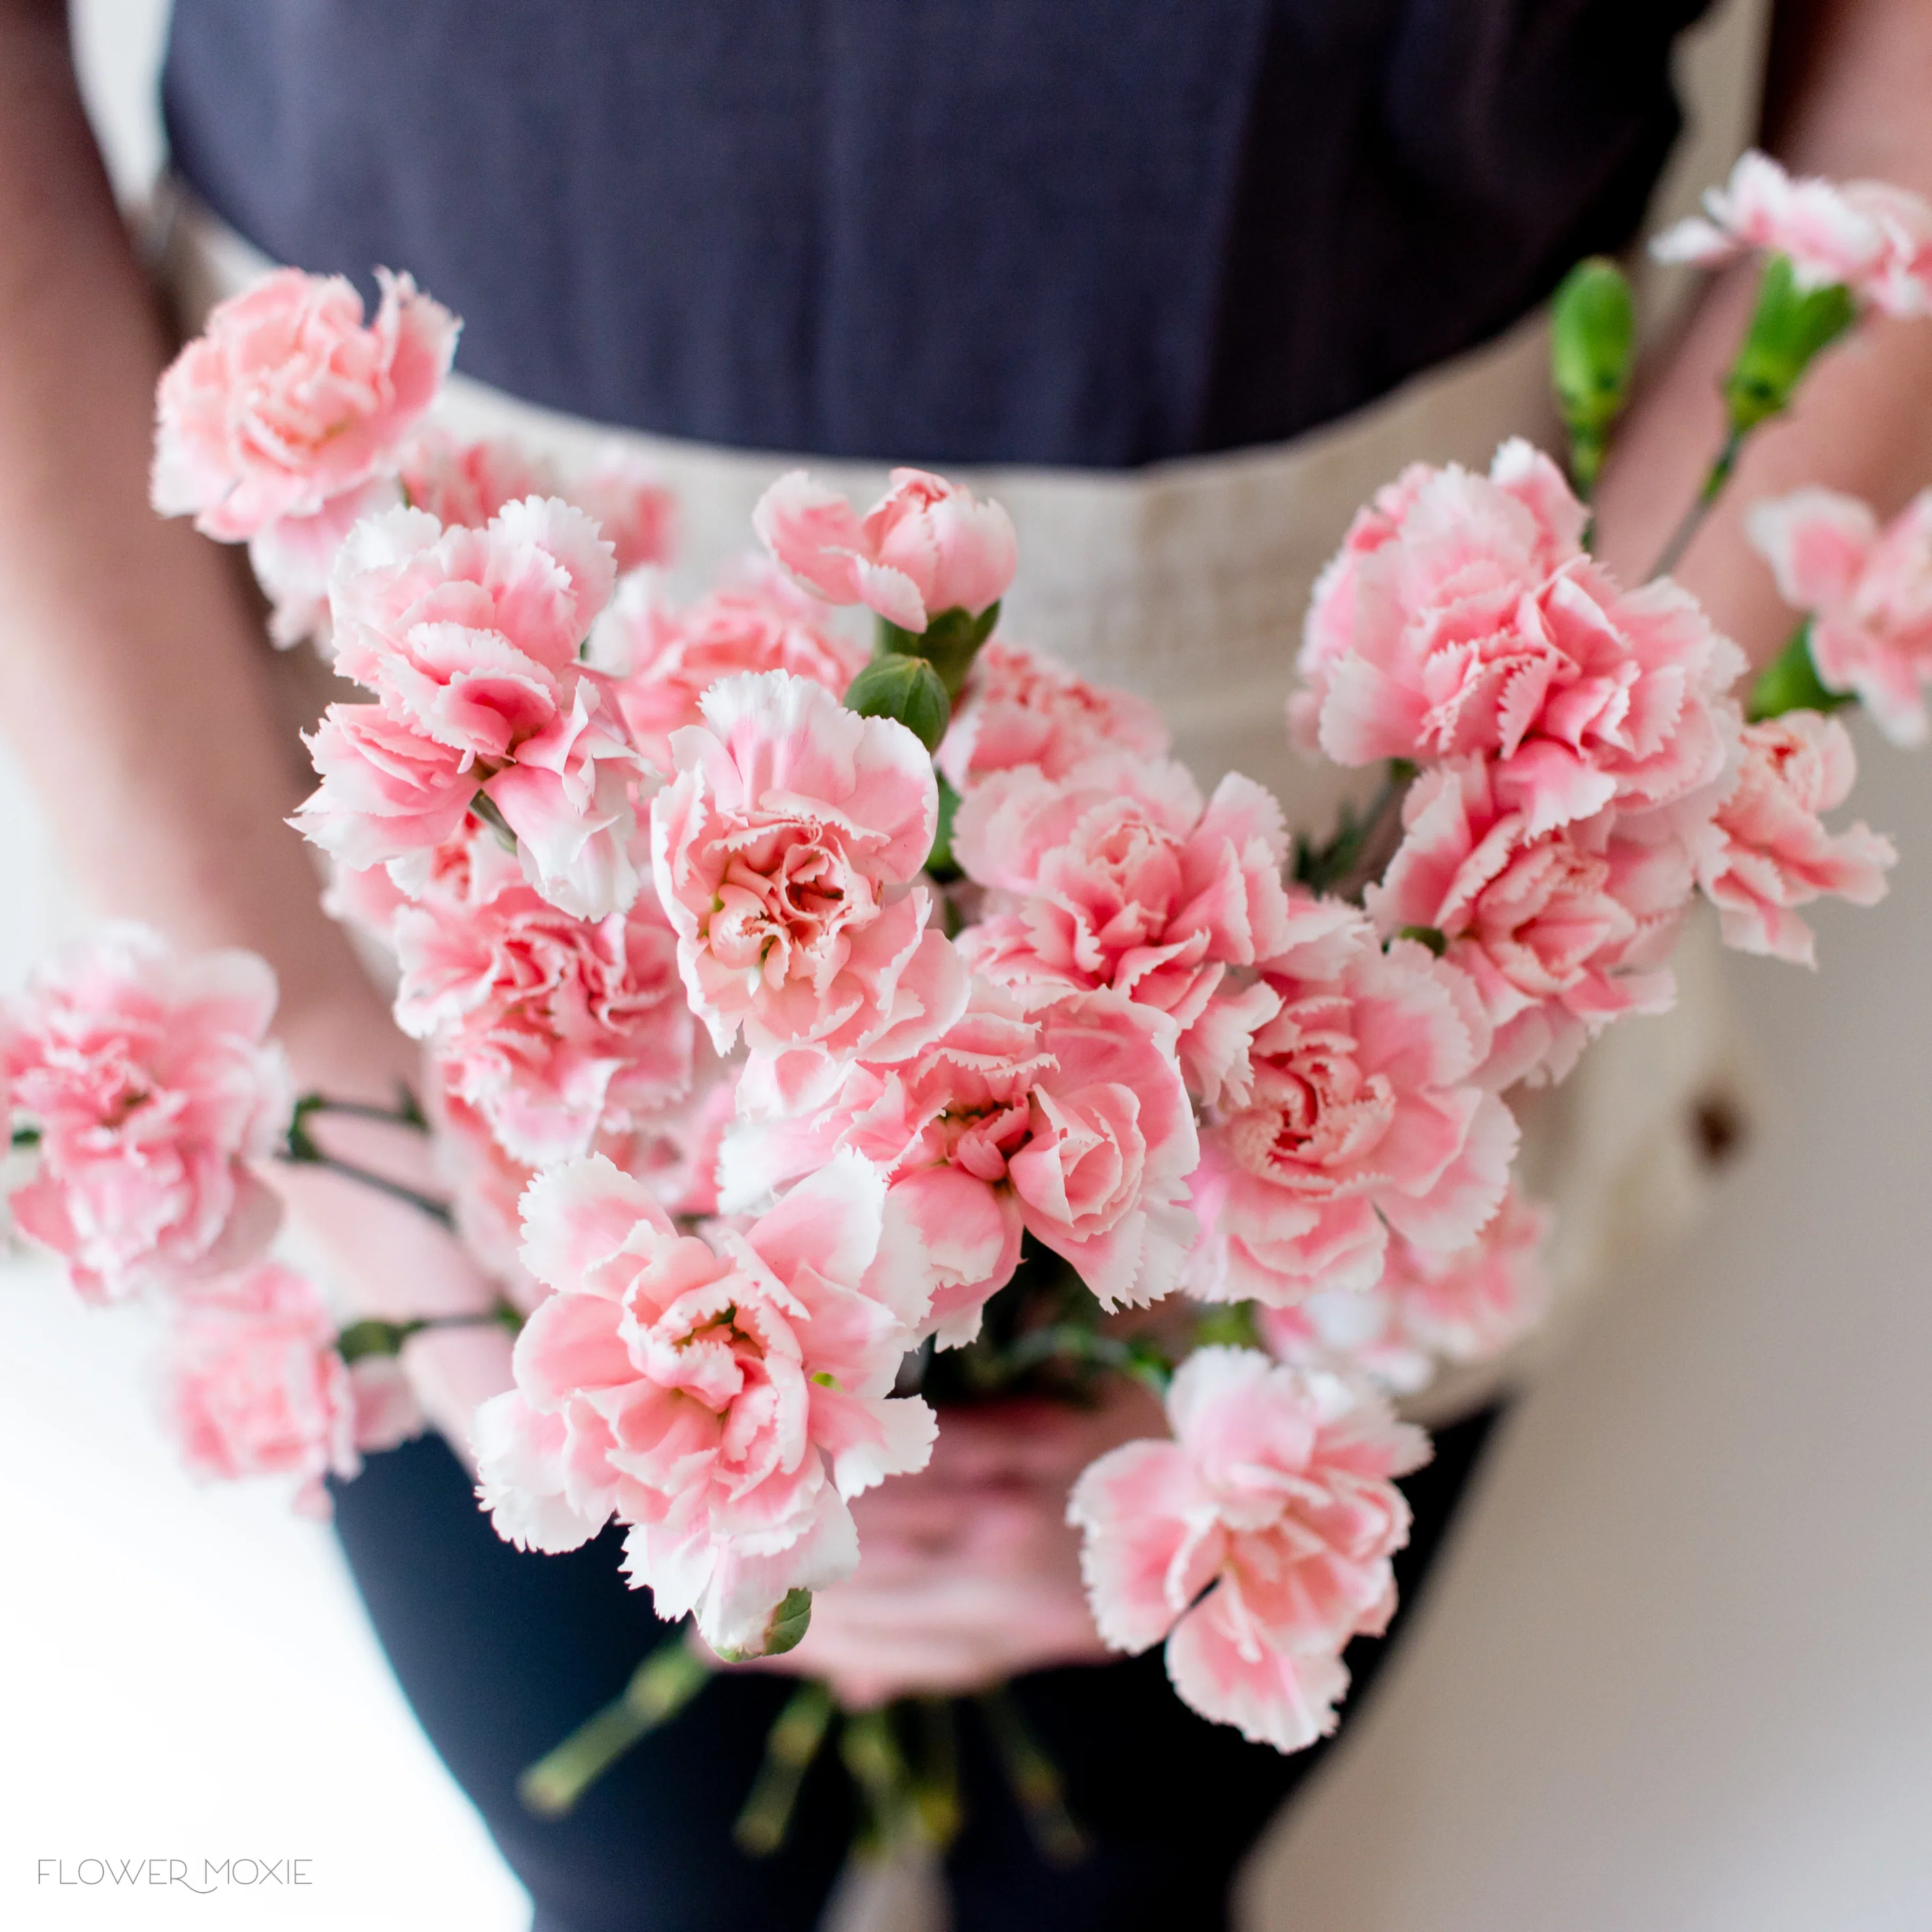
{"x":824,"y":1030}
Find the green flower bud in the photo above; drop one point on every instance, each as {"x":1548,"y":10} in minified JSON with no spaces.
{"x":949,"y":642}
{"x":784,"y":1631}
{"x":1592,"y":345}
{"x":1789,"y":327}
{"x":907,"y":688}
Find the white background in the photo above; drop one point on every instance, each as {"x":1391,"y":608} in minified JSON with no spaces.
{"x":1677,"y":1674}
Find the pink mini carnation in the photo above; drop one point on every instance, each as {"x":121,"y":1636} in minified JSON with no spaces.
{"x":1767,"y":852}
{"x":722,"y":1398}
{"x":673,"y":658}
{"x":1256,"y":1543}
{"x":1020,"y":707}
{"x":1361,"y":1112}
{"x":1467,"y":1306}
{"x":1461,"y":619}
{"x":556,"y":1029}
{"x":1118,"y":876}
{"x":636,"y":512}
{"x":254,"y":1385}
{"x":1070,"y":1123}
{"x":153,"y":1085}
{"x":1562,"y":931}
{"x":287,"y":399}
{"x":1868,"y":591}
{"x":1875,"y":238}
{"x":927,"y":547}
{"x":672,"y":1152}
{"x":783,"y":849}
{"x":293,"y":558}
{"x":469,"y":639}
{"x":471,"y":482}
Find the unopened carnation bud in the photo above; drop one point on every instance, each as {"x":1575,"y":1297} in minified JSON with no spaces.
{"x":1790,"y":325}
{"x":949,"y":644}
{"x":1592,"y":338}
{"x":784,"y":1631}
{"x":905,"y":689}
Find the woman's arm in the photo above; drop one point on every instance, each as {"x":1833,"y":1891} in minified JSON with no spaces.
{"x":134,"y":683}
{"x":1850,"y":96}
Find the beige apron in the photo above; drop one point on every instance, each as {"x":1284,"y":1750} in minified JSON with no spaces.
{"x":1186,"y":581}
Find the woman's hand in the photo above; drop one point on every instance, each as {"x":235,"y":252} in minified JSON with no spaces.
{"x":970,"y":1572}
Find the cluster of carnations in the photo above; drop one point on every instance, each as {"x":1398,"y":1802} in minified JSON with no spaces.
{"x":148,"y":1090}
{"x":786,"y":1005}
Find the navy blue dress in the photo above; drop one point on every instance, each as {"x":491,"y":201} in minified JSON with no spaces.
{"x":1094,"y":232}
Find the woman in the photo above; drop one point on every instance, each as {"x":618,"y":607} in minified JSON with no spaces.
{"x":1077,"y":237}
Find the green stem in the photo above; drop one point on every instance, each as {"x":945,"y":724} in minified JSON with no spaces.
{"x":795,"y":1739}
{"x":304,"y":1153}
{"x":1360,"y":847}
{"x":1718,"y":475}
{"x":935,"y":1786}
{"x":1035,"y":1780}
{"x":406,"y":1112}
{"x":659,"y":1688}
{"x":374,"y":1336}
{"x":870,"y":1748}
{"x":1067,"y":1342}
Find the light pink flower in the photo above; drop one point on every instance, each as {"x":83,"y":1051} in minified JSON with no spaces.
{"x":927,"y":547}
{"x":556,"y":1029}
{"x":487,"y":1188}
{"x":1517,"y":525}
{"x":153,"y":1085}
{"x":389,"y":795}
{"x":1874,"y":238}
{"x":388,"y":1411}
{"x":636,"y":512}
{"x":673,"y":1153}
{"x":1020,"y":707}
{"x":1562,"y":931}
{"x":470,"y":482}
{"x":254,"y":1386}
{"x":1256,"y":1543}
{"x":287,"y":399}
{"x":783,"y":849}
{"x":1118,"y":876}
{"x":1466,"y":1307}
{"x":1767,"y":852}
{"x":1070,"y":1123}
{"x":1461,"y":620}
{"x":1361,"y":1112}
{"x":672,"y":658}
{"x":1868,"y":591}
{"x":294,"y":557}
{"x":469,"y":639}
{"x":467,"y":631}
{"x":723,"y":1399}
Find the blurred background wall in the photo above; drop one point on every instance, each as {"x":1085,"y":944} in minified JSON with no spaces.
{"x":1676,"y":1674}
